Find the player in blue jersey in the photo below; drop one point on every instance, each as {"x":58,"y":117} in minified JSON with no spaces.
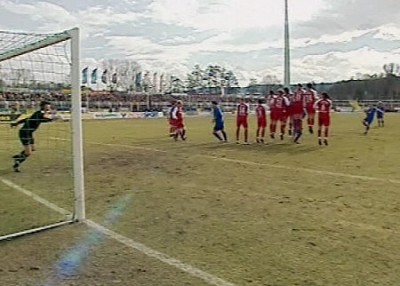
{"x":380,"y":113}
{"x":219,"y":122}
{"x":370,"y":115}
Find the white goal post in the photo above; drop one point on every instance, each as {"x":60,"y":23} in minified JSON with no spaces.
{"x":12,"y":51}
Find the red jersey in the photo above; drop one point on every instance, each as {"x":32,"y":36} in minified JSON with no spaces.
{"x":242,"y":110}
{"x":178,"y":116}
{"x":310,"y":97}
{"x":298,"y":102}
{"x":261,"y":112}
{"x":278,"y":103}
{"x":323,"y":106}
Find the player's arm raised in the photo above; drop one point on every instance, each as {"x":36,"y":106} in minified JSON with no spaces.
{"x":15,"y":124}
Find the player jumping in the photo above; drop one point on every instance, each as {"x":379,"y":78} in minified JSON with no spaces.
{"x":219,"y":123}
{"x":298,"y":108}
{"x":31,"y":124}
{"x":177,"y":115}
{"x":261,"y":114}
{"x":310,"y":97}
{"x":289,"y":109}
{"x":278,"y":104}
{"x":171,"y":121}
{"x":370,"y":114}
{"x":323,"y":106}
{"x":241,"y":120}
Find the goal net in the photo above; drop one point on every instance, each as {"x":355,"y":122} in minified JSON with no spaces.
{"x":45,"y":190}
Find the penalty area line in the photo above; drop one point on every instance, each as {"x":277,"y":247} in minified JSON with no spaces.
{"x":187,"y":268}
{"x":313,"y":171}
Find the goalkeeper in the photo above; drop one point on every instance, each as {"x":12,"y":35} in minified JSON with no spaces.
{"x":30,"y":125}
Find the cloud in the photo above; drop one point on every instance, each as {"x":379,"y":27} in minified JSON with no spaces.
{"x":228,"y":15}
{"x":49,"y":17}
{"x":245,"y":36}
{"x":347,"y":15}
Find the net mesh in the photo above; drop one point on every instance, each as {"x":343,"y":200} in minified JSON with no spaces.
{"x":28,"y":77}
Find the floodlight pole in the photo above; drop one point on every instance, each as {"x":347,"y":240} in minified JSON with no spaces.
{"x":287,"y":48}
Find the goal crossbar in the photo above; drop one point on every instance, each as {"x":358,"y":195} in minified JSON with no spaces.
{"x":47,"y":41}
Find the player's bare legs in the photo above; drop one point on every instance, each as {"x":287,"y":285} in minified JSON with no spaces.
{"x":246,"y":136}
{"x":326,"y":134}
{"x":216,"y":134}
{"x":290,"y":130}
{"x":262,"y":134}
{"x":365,"y":123}
{"x":320,"y":135}
{"x":310,"y":122}
{"x":298,"y":129}
{"x":183,"y":134}
{"x":283,"y":128}
{"x":272,"y":129}
{"x":237,"y":134}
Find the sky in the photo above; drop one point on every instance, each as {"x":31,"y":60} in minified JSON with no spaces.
{"x":330,"y":40}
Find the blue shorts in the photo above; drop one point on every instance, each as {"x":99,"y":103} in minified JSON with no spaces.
{"x":219,"y":126}
{"x":379,"y":115}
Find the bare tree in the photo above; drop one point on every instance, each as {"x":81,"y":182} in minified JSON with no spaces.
{"x":391,"y":69}
{"x":125,"y":70}
{"x":270,"y":79}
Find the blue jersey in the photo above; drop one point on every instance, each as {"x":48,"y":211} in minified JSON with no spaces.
{"x":370,"y":115}
{"x":218,"y":115}
{"x":218,"y":118}
{"x":380,"y":111}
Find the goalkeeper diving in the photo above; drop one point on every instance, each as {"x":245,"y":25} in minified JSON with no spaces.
{"x":30,"y":125}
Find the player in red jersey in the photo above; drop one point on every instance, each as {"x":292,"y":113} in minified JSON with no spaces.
{"x":323,"y":106}
{"x":261,"y":114}
{"x":289,"y":109}
{"x":242,"y":111}
{"x":171,"y":120}
{"x":177,"y":115}
{"x":311,"y":96}
{"x":278,"y":104}
{"x":298,"y":107}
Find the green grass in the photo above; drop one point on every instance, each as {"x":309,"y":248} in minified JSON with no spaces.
{"x":252,"y":215}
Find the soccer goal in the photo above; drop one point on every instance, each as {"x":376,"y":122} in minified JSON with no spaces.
{"x":47,"y":190}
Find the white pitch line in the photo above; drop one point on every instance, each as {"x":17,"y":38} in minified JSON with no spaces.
{"x":313,"y":171}
{"x":187,"y":268}
{"x":335,"y":174}
{"x":193,"y":271}
{"x":35,"y":197}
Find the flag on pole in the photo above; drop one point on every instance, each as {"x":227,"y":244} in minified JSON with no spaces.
{"x":162,"y":82}
{"x":155,"y":82}
{"x":114,"y":78}
{"x":138,"y":79}
{"x":85,"y":75}
{"x":93,"y":77}
{"x":104,"y":77}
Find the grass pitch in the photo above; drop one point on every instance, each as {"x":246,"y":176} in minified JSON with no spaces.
{"x":277,"y":214}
